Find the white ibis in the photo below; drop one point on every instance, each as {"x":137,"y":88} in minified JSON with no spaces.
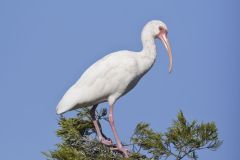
{"x":113,"y":76}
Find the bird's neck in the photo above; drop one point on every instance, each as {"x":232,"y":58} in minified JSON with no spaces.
{"x":148,"y":54}
{"x":149,"y":48}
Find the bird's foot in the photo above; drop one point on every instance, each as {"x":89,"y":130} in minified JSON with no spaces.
{"x":123,"y":150}
{"x":107,"y":142}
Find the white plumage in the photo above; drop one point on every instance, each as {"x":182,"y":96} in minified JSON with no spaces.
{"x":115,"y":74}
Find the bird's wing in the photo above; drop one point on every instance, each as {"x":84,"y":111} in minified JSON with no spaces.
{"x":108,"y":75}
{"x":107,"y":65}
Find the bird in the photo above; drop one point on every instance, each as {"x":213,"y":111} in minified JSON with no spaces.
{"x":113,"y":76}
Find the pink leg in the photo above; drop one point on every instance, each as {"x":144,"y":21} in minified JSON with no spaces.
{"x":98,"y":130}
{"x":119,"y":144}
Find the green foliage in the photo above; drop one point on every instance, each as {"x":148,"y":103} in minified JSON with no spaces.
{"x":182,"y":139}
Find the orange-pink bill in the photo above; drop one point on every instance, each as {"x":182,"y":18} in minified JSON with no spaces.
{"x":164,"y":39}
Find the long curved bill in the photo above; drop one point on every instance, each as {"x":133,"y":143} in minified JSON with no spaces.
{"x":164,"y":39}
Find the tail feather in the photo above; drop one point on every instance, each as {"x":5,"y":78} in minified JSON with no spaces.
{"x":61,"y":108}
{"x":67,"y":103}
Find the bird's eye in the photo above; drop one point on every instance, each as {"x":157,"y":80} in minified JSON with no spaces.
{"x":160,"y":28}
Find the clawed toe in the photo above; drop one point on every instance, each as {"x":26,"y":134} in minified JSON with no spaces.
{"x":107,"y":142}
{"x":122,"y":150}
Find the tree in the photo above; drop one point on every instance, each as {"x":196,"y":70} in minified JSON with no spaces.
{"x":182,"y":140}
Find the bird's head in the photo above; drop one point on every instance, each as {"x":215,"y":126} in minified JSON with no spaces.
{"x":158,"y":29}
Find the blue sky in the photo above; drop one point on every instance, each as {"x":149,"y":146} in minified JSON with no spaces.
{"x":46,"y":45}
